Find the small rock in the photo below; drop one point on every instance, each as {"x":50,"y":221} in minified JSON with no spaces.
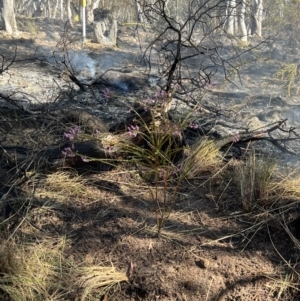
{"x":202,"y":263}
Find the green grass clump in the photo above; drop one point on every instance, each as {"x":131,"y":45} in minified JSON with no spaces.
{"x":289,"y":74}
{"x":31,"y":26}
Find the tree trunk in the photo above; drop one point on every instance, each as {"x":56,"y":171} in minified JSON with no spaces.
{"x":55,"y":10}
{"x":69,"y":11}
{"x":76,"y":9}
{"x":258,"y":16}
{"x":241,"y":22}
{"x":100,"y":36}
{"x":91,"y":6}
{"x":61,"y":9}
{"x":113,"y":33}
{"x":255,"y":26}
{"x":9,"y":18}
{"x":48,"y":9}
{"x":230,"y":13}
{"x":139,"y":12}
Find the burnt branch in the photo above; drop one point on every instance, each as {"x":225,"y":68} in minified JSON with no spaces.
{"x":6,"y":63}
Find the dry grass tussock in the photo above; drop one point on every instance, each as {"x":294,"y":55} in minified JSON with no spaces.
{"x":64,"y":186}
{"x":202,"y":157}
{"x":263,"y":184}
{"x":37,"y":269}
{"x":40,"y":271}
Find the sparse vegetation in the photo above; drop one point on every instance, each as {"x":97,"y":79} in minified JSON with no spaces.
{"x":289,"y":74}
{"x":110,"y":193}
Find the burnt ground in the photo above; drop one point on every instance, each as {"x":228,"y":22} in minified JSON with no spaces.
{"x":209,"y":248}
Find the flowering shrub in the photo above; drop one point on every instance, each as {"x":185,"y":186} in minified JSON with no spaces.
{"x":71,"y":134}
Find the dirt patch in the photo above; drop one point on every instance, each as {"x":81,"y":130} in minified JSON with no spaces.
{"x":203,"y":253}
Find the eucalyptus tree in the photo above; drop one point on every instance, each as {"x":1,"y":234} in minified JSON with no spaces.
{"x":8,"y":16}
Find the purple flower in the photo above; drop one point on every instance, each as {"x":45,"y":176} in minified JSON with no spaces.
{"x":84,"y":159}
{"x":107,"y":93}
{"x":75,"y":130}
{"x":174,"y":86}
{"x":96,"y":133}
{"x":172,"y":170}
{"x":162,"y":173}
{"x":194,"y":125}
{"x":133,"y":130}
{"x":68,"y":152}
{"x":176,"y":130}
{"x":72,"y":132}
{"x":210,"y":84}
{"x":69,"y":136}
{"x":188,"y":97}
{"x":236,"y":137}
{"x":162,"y":94}
{"x":149,"y":101}
{"x":176,"y":169}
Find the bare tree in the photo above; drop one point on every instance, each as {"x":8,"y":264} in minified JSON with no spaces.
{"x":189,"y":49}
{"x":181,"y":44}
{"x":8,"y":15}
